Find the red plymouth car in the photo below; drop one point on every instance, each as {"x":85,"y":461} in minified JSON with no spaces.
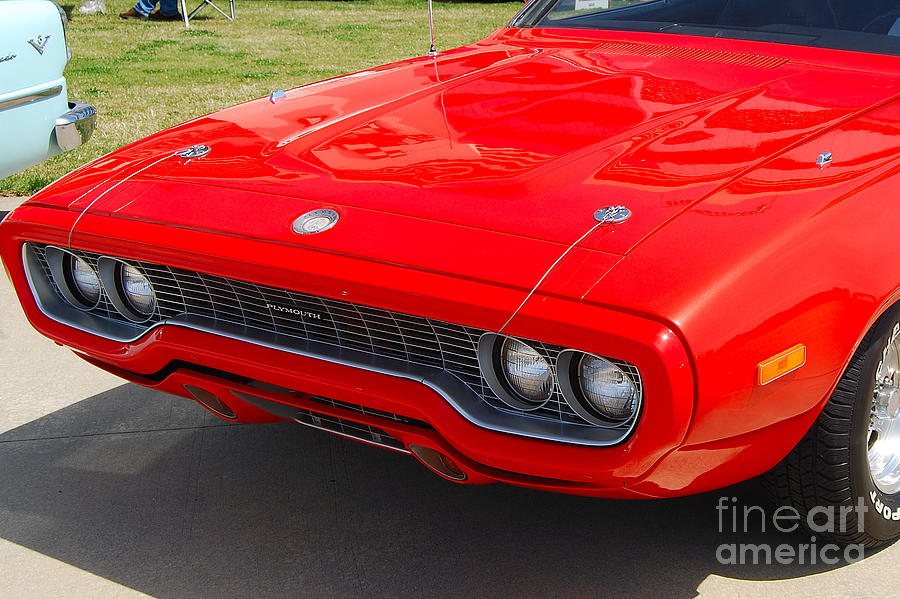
{"x":632,"y":249}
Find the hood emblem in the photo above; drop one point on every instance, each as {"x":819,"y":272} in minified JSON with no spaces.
{"x":612,"y":214}
{"x":194,"y":152}
{"x":7,"y":58}
{"x":39,"y":43}
{"x":315,"y":221}
{"x":824,"y":160}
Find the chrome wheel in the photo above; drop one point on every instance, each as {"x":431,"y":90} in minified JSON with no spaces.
{"x":884,"y":423}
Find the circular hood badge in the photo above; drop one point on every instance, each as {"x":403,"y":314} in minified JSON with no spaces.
{"x":315,"y":221}
{"x":612,"y":214}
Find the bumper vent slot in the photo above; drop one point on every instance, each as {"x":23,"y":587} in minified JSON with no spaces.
{"x":368,"y":411}
{"x":348,"y":428}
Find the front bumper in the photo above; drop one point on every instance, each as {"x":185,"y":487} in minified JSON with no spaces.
{"x":76,"y":126}
{"x":262,"y":389}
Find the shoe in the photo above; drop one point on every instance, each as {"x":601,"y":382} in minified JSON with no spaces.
{"x":132,"y":14}
{"x":155,"y":15}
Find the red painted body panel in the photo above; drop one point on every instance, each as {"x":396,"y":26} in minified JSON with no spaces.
{"x":461,"y":179}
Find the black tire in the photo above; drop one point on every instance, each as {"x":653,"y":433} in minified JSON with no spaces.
{"x":829,"y":468}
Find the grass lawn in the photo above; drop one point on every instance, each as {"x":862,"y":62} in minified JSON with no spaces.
{"x":145,"y":76}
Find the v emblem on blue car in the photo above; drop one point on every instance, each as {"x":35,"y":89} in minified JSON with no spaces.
{"x":40,"y":43}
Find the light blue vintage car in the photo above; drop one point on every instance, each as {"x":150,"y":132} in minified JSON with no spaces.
{"x":36,"y":118}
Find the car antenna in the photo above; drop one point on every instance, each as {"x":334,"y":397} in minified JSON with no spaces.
{"x":432,"y":51}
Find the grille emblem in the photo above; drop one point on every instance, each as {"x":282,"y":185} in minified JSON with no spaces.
{"x":295,"y":311}
{"x":315,"y":221}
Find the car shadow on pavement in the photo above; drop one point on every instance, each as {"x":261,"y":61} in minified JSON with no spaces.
{"x":152,"y":492}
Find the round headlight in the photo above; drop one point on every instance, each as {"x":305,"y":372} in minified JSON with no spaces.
{"x":608,"y":390}
{"x":527,"y":372}
{"x":84,"y":281}
{"x":136,"y":290}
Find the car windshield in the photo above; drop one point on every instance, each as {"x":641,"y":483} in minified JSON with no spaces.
{"x":862,"y":25}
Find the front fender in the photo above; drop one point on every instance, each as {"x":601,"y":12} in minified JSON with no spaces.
{"x":788,"y":254}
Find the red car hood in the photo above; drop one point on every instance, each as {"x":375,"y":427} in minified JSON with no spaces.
{"x":524,"y":135}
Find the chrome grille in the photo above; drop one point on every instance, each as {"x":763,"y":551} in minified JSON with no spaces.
{"x":414,"y":339}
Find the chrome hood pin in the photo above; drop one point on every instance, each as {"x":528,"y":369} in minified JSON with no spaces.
{"x":277,"y":97}
{"x":194,"y":152}
{"x":824,"y":160}
{"x":612,"y":214}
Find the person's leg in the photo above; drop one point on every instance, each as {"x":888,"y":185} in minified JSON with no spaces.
{"x":168,"y":11}
{"x":168,"y":7}
{"x":144,"y":6}
{"x":140,"y":10}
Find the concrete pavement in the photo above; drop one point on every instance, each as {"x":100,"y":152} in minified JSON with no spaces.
{"x":7,"y":204}
{"x":108,"y":489}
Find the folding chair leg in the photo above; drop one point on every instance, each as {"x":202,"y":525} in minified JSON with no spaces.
{"x":200,"y":7}
{"x":188,"y":16}
{"x":217,"y":9}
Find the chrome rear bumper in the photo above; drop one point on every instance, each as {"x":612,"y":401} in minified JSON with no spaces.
{"x":75,"y":126}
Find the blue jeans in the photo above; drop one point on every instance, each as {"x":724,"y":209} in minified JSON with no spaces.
{"x":166,"y":7}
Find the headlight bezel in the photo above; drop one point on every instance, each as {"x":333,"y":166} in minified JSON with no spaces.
{"x":568,"y":369}
{"x":490,"y":361}
{"x":566,"y":384}
{"x":110,"y":275}
{"x":61,"y":263}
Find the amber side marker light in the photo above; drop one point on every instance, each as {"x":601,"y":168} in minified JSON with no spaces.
{"x":781,"y":364}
